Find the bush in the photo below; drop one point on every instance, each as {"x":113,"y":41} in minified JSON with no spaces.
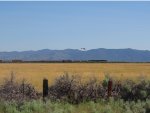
{"x":71,"y":89}
{"x":12,"y":91}
{"x":135,"y":91}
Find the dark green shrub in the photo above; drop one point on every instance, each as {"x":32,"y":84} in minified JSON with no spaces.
{"x":135,"y":91}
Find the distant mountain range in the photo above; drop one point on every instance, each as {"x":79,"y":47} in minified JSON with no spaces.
{"x":127,"y":55}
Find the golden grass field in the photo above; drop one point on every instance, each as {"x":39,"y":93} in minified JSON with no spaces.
{"x":35,"y":72}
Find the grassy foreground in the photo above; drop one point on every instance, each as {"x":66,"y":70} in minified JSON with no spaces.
{"x":101,"y":106}
{"x":68,"y":95}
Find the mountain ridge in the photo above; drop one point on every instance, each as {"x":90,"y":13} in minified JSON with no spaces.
{"x":127,"y":55}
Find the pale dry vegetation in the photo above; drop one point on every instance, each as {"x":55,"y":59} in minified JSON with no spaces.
{"x":35,"y":72}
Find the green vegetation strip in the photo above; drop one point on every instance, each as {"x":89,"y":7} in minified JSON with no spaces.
{"x":101,"y":106}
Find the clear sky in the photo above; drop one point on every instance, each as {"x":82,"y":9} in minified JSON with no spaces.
{"x":62,"y":25}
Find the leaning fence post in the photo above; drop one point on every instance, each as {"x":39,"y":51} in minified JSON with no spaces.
{"x":110,"y":83}
{"x":45,"y":88}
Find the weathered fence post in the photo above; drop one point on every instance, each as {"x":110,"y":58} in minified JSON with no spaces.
{"x":45,"y":88}
{"x":110,"y":83}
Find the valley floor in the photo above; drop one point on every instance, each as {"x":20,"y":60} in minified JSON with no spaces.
{"x":35,"y":72}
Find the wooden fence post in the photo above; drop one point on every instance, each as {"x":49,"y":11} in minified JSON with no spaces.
{"x":110,"y":83}
{"x":45,"y":88}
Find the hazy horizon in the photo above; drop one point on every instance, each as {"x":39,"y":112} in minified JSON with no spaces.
{"x":75,"y":49}
{"x":61,"y":25}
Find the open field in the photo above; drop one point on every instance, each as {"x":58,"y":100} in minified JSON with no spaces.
{"x":35,"y":72}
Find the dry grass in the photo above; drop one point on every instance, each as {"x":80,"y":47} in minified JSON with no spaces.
{"x":36,"y":72}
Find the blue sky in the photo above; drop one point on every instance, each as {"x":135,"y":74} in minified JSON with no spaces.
{"x":62,"y":25}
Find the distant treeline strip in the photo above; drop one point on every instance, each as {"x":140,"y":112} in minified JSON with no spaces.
{"x":66,"y":61}
{"x":51,"y":61}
